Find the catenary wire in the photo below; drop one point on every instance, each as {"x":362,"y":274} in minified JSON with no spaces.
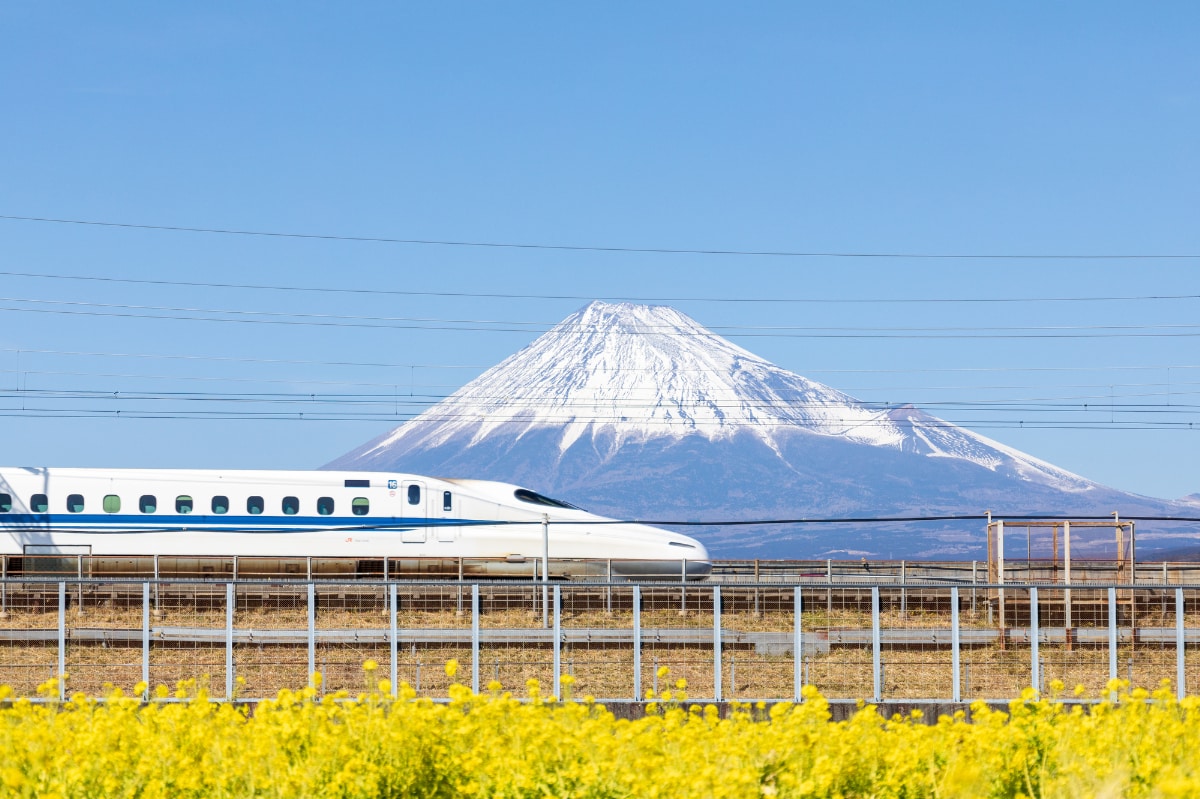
{"x":609,"y":249}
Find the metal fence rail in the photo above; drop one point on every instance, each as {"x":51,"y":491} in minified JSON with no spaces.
{"x":877,"y":640}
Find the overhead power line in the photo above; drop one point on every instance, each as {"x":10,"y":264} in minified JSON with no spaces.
{"x":589,"y":298}
{"x":110,"y":310}
{"x":613,"y":249}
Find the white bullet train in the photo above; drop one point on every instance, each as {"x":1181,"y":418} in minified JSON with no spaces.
{"x":186,"y":520}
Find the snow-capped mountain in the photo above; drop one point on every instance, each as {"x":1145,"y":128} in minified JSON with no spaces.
{"x":638,"y":411}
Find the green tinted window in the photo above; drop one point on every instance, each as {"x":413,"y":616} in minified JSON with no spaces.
{"x":183,"y":504}
{"x":360,"y":506}
{"x":112,"y":504}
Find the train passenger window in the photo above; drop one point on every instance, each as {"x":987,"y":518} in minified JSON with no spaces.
{"x":5,"y":503}
{"x":75,"y":503}
{"x":148,"y":503}
{"x":112,"y":503}
{"x":291,"y":506}
{"x":414,"y":495}
{"x":360,"y":506}
{"x":446,"y":503}
{"x":220,"y":505}
{"x":39,"y":503}
{"x":325,"y":506}
{"x":254,"y":505}
{"x":183,"y":504}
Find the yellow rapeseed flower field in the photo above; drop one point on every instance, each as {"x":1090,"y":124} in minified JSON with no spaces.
{"x":301,"y":744}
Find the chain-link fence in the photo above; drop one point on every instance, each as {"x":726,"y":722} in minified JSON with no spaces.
{"x":871,"y":639}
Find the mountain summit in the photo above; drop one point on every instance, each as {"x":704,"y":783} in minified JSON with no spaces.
{"x":636,"y":410}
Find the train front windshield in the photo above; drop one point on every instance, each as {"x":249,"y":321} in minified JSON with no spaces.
{"x":534,"y":498}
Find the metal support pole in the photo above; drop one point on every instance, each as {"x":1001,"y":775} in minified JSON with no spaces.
{"x":229,"y":603}
{"x":1180,"y":651}
{"x":1000,"y":566}
{"x":716,"y":600}
{"x":955,"y":647}
{"x":683,"y":588}
{"x":3,"y":586}
{"x":308,"y":570}
{"x":312,"y":629}
{"x":79,"y":576}
{"x":393,"y":639}
{"x":475,"y":637}
{"x":608,"y":590}
{"x":1112,"y":637}
{"x":146,"y":638}
{"x":1067,"y":575}
{"x":903,"y":591}
{"x":829,"y":590}
{"x":557,"y":643}
{"x":62,"y":639}
{"x":1033,"y":639}
{"x":876,"y":669}
{"x":974,"y":571}
{"x":157,"y":606}
{"x":797,"y":647}
{"x":637,"y":642}
{"x":545,"y":570}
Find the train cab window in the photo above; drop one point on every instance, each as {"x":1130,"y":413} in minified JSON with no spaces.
{"x":325,"y":506}
{"x":148,"y":503}
{"x":291,"y":506}
{"x":5,"y":503}
{"x":414,"y":495}
{"x":75,"y":503}
{"x":360,"y":506}
{"x":183,"y":504}
{"x":220,"y":505}
{"x":39,"y":503}
{"x":111,"y":504}
{"x":254,"y":505}
{"x":534,"y":498}
{"x":447,"y":504}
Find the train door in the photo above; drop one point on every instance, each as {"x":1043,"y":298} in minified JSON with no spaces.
{"x":445,"y":529}
{"x":413,"y":495}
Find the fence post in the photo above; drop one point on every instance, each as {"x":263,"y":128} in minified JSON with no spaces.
{"x":146,"y":638}
{"x":637,"y":642}
{"x":716,"y":601}
{"x":229,"y":602}
{"x":557,"y":642}
{"x":393,"y":639}
{"x":475,"y":637}
{"x":1033,"y":639}
{"x":62,"y":639}
{"x":1112,"y":637}
{"x":876,"y":669}
{"x":312,"y":629}
{"x":955,"y":642}
{"x":1180,"y":676}
{"x":797,"y":648}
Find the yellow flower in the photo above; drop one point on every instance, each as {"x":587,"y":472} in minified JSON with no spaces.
{"x":370,"y":665}
{"x":451,"y":667}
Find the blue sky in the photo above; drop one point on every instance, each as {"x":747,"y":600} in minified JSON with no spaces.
{"x":921,"y":128}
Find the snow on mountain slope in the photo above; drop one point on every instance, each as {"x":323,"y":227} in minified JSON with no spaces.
{"x":621,"y":374}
